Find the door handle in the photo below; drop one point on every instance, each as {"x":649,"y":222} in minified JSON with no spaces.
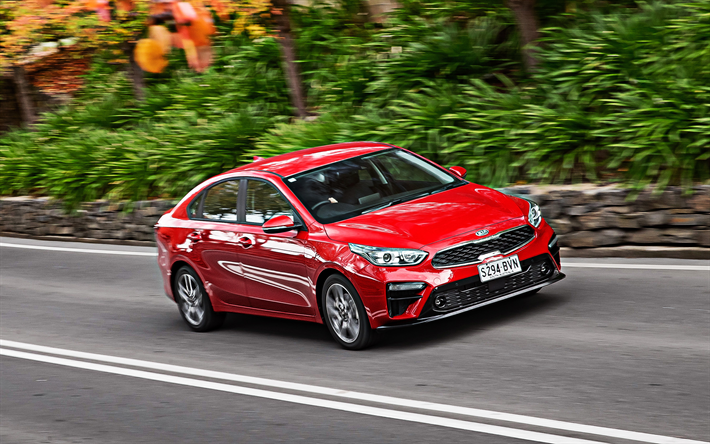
{"x":195,"y":236}
{"x":245,"y":241}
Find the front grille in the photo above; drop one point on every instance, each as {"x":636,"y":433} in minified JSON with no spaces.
{"x":505,"y":242}
{"x":471,"y":291}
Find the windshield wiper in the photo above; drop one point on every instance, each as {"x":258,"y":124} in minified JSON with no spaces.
{"x":447,"y":187}
{"x":388,"y":204}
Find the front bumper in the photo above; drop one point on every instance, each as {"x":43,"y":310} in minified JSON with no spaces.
{"x":469,"y":294}
{"x":388,"y":310}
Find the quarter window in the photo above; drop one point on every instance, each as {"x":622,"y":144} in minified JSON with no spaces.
{"x":221,"y":202}
{"x":264,"y":202}
{"x":194,"y":207}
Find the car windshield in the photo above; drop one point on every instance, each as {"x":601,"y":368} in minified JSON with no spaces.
{"x":359,"y":185}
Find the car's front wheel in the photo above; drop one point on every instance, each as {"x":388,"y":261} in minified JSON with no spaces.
{"x":194,"y":303}
{"x":345,"y":315}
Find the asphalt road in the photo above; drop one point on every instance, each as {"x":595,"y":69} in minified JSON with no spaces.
{"x":625,"y":349}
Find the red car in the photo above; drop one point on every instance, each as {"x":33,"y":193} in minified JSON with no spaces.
{"x":360,"y":236}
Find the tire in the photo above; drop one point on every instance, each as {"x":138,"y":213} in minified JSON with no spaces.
{"x":344,"y":314}
{"x":193,"y":302}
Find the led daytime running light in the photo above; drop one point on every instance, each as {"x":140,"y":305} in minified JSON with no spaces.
{"x":389,"y":257}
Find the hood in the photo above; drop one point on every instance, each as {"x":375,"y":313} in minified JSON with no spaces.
{"x":429,"y":219}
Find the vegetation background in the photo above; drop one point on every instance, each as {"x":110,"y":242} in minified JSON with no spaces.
{"x":620,"y":93}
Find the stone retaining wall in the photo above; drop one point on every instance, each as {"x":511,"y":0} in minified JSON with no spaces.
{"x":95,"y":220}
{"x":587,"y":218}
{"x":605,"y":216}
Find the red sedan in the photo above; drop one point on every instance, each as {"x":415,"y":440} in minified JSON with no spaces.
{"x":360,"y":236}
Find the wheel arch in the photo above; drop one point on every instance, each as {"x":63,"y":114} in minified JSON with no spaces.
{"x":178,"y":264}
{"x":324,"y":274}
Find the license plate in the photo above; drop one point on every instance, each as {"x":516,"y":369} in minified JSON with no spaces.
{"x":499,"y":268}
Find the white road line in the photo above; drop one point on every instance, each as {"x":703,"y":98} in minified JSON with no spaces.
{"x":79,"y":250}
{"x":564,"y":264}
{"x":304,"y":400}
{"x":393,"y":401}
{"x":637,"y":266}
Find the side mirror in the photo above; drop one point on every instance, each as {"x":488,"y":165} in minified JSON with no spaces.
{"x":279,"y":224}
{"x":459,"y":171}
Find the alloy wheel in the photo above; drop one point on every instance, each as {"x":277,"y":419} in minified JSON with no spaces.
{"x":192,"y":305}
{"x":342,"y":313}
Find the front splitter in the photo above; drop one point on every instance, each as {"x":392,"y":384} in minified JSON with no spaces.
{"x":556,"y":278}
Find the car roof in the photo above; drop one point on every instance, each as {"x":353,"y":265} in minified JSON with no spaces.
{"x":304,"y":160}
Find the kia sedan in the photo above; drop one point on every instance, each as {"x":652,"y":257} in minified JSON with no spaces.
{"x":359,"y":236}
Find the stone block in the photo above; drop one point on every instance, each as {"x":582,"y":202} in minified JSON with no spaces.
{"x":645,"y":236}
{"x":561,"y":226}
{"x":619,"y":209}
{"x":578,"y":210}
{"x":593,"y":221}
{"x":98,"y":234}
{"x":703,"y":237}
{"x":148,"y":211}
{"x":590,"y":239}
{"x":539,"y":199}
{"x":679,"y":236}
{"x":551,"y":210}
{"x":579,"y":239}
{"x":612,"y":197}
{"x":654,"y":219}
{"x":610,"y":237}
{"x":700,"y":202}
{"x":626,"y":221}
{"x":688,"y":220}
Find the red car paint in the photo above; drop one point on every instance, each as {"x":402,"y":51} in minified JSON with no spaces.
{"x":246,"y":270}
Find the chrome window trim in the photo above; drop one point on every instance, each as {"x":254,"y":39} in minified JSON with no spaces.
{"x":482,"y":240}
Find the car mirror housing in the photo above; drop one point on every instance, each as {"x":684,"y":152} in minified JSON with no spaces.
{"x":459,"y":171}
{"x":279,"y":224}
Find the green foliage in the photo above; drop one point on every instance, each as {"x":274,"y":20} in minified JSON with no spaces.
{"x":621,"y":95}
{"x":189,"y":128}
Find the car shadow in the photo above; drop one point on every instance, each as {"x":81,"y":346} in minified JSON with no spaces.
{"x":509,"y":311}
{"x":276,"y":327}
{"x":466,"y":324}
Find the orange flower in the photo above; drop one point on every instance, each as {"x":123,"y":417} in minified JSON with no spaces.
{"x":149,"y":56}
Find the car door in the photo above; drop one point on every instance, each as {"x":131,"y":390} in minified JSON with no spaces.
{"x":214,"y":241}
{"x":273,"y":264}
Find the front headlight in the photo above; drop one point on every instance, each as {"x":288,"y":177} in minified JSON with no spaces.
{"x":534,"y":214}
{"x":389,"y":257}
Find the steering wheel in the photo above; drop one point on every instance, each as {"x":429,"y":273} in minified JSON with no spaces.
{"x":319,"y":204}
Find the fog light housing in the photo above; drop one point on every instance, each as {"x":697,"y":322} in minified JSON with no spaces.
{"x":401,"y":295}
{"x":440,"y":301}
{"x":545,"y":269}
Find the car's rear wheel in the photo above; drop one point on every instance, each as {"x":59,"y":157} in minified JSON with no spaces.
{"x":344,"y":314}
{"x":193,"y":302}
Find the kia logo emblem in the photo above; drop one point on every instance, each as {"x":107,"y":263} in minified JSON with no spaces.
{"x":481,"y":232}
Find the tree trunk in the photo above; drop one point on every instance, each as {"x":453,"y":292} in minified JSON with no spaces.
{"x":24,"y":96}
{"x":378,"y":9}
{"x":524,"y":12}
{"x":288,"y":52}
{"x":135,"y":73}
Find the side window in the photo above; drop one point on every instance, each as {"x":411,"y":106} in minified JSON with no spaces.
{"x":221,"y":202}
{"x":194,"y":206}
{"x":264,"y":202}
